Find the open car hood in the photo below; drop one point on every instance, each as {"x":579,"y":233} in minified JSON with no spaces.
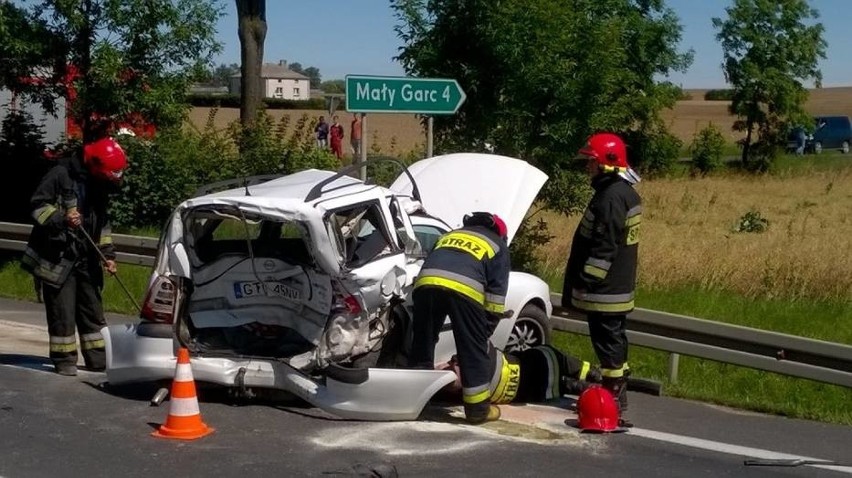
{"x":456,"y":184}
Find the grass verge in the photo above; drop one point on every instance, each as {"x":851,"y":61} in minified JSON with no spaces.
{"x":736,"y":386}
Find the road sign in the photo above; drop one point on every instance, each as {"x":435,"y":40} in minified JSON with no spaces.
{"x":398,"y":94}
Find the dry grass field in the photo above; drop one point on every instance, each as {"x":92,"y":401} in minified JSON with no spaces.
{"x":691,"y":116}
{"x":400,"y":133}
{"x":688,"y":238}
{"x":393,"y":134}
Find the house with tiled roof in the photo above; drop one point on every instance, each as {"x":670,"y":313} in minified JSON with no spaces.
{"x":278,"y":82}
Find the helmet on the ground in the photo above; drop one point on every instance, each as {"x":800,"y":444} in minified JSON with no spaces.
{"x":597,"y":410}
{"x":608,"y":150}
{"x":105,"y":159}
{"x":487,"y":219}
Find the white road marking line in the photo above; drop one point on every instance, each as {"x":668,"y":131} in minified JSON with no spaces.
{"x":744,"y":451}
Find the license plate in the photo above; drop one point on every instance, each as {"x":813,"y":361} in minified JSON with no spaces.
{"x":245,"y":290}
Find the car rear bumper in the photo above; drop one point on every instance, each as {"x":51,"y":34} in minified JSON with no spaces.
{"x":383,"y":394}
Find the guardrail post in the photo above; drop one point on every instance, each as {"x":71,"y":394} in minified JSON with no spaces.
{"x":674,"y":361}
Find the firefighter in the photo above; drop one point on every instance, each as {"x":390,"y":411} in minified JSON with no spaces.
{"x":72,"y":198}
{"x":466,"y":277}
{"x":600,"y":277}
{"x":544,"y":372}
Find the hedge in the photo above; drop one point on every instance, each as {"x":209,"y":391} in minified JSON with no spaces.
{"x":233,"y":101}
{"x":719,"y":95}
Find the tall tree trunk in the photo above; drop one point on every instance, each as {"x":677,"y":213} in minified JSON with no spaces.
{"x":747,"y":142}
{"x":252,"y":32}
{"x":83,"y":66}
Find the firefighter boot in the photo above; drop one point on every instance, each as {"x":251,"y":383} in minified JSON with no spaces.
{"x":477,"y":413}
{"x":576,"y":386}
{"x":618,"y":387}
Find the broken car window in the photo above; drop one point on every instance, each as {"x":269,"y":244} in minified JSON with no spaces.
{"x":361,"y":233}
{"x":217,"y":234}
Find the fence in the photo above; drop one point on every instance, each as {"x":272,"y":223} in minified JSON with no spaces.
{"x":677,"y":334}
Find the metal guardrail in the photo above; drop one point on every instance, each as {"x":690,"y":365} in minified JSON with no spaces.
{"x":137,"y":250}
{"x":677,"y":334}
{"x":753,"y":348}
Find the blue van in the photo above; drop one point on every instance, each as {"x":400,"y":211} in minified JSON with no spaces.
{"x":832,"y":132}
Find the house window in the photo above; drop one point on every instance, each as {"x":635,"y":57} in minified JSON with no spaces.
{"x":279,"y":81}
{"x":279,"y":92}
{"x":295,"y":92}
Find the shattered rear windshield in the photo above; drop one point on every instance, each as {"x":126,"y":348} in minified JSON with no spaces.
{"x":214,"y":234}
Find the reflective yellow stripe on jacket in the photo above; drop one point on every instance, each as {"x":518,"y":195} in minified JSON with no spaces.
{"x":463,"y":285}
{"x":475,"y":244}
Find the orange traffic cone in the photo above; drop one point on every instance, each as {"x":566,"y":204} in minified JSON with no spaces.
{"x":184,"y":420}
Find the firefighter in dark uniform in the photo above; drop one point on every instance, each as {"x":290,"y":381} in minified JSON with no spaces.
{"x":600,"y":277}
{"x":466,"y":277}
{"x":545,"y":373}
{"x":70,"y":199}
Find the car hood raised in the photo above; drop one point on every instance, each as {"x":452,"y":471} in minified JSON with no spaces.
{"x":456,"y":184}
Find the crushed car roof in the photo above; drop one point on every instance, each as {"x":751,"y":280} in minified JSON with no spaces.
{"x":299,"y":186}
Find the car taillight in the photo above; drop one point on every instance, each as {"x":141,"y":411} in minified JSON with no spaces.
{"x":159,"y":305}
{"x":352,"y":305}
{"x":345,"y":302}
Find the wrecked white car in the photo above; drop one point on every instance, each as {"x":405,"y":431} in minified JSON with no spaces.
{"x":301,"y":284}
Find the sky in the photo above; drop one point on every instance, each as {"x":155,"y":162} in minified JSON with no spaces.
{"x":343,"y":37}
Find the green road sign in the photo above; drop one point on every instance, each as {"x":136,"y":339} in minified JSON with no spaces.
{"x":397,"y":94}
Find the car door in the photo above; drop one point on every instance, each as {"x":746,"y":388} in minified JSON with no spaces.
{"x":371,"y":255}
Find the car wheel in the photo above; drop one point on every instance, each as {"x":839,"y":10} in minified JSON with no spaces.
{"x":817,"y":147}
{"x":532,"y":328}
{"x":845,"y":147}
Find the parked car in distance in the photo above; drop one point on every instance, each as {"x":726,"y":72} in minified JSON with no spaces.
{"x":832,"y":132}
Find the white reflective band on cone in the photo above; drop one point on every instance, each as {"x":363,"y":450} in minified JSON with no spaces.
{"x":184,"y":407}
{"x":183,"y":373}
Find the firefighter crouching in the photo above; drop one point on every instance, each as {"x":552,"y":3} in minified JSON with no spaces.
{"x":600,"y":277}
{"x":466,"y":277}
{"x":73,"y":195}
{"x":541,"y":373}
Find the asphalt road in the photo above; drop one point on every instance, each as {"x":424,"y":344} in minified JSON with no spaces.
{"x":79,"y":426}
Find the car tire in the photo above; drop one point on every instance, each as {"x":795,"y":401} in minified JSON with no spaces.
{"x":531,"y":328}
{"x":817,"y":148}
{"x":845,"y":147}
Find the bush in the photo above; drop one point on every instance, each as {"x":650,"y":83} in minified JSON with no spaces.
{"x":169,"y":169}
{"x":654,"y":151}
{"x":752,"y":221}
{"x":707,"y":149}
{"x":21,"y":152}
{"x":526,"y":244}
{"x":719,"y":95}
{"x":154,"y":183}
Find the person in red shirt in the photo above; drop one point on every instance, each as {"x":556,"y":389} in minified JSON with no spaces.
{"x":336,"y":135}
{"x":355,"y":135}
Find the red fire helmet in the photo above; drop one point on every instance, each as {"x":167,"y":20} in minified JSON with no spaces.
{"x":105,"y":159}
{"x":597,"y":410}
{"x":608,"y":150}
{"x":500,"y":224}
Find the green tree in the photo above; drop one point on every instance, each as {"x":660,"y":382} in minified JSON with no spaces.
{"x":313,"y":73}
{"x":251,"y":15}
{"x":221,"y":75}
{"x":110,"y":57}
{"x":333,"y":86}
{"x":541,"y":75}
{"x":770,"y":48}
